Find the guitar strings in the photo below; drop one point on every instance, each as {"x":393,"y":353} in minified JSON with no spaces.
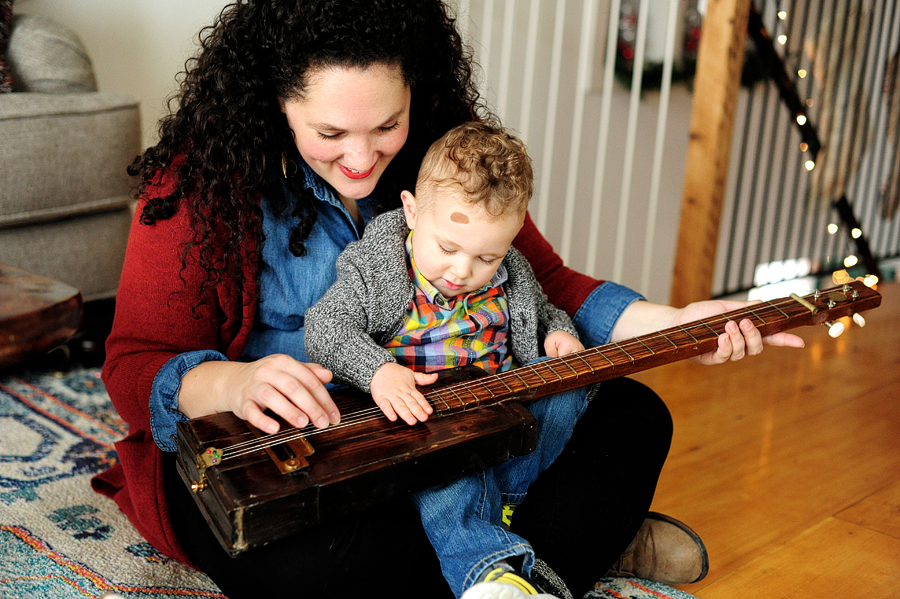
{"x":355,"y":418}
{"x":374,"y":413}
{"x":548,"y":365}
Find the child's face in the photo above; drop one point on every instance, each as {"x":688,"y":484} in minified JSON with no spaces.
{"x":457,"y":246}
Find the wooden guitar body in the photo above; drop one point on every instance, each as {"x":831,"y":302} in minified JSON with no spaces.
{"x":248,"y":502}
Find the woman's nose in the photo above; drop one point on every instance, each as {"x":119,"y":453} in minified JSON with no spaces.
{"x":360,"y":154}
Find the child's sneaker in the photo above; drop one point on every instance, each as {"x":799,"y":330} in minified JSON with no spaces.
{"x":503,"y":583}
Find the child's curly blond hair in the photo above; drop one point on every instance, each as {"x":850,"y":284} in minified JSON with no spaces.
{"x":490,"y":164}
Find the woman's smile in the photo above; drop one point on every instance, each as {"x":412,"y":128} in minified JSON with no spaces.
{"x":352,"y":174}
{"x":350,"y":137}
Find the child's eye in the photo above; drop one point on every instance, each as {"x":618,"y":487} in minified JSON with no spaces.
{"x":446,"y":251}
{"x":488,"y":260}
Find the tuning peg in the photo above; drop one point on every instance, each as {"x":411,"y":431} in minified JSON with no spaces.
{"x":834,"y":329}
{"x":858,"y":319}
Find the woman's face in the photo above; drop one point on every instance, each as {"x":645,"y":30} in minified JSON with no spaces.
{"x":349,"y":125}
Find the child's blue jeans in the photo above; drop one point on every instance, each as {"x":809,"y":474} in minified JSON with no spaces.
{"x":463,"y":519}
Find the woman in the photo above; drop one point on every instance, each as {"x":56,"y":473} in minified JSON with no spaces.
{"x":297,"y":122}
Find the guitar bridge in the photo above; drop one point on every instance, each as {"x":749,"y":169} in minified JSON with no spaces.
{"x":288,"y":456}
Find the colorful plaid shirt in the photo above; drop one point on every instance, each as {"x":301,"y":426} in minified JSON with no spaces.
{"x":439,"y":333}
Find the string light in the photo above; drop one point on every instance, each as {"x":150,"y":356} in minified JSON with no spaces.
{"x":839,"y":277}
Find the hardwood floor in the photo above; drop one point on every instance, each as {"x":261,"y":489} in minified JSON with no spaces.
{"x":788,"y":464}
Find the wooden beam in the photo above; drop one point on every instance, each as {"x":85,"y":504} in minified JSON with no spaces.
{"x":719,"y":62}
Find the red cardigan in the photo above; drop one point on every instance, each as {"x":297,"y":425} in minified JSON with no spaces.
{"x":157,"y":318}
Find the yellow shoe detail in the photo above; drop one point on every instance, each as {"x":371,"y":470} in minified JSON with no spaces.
{"x":508,"y":510}
{"x":507,"y":577}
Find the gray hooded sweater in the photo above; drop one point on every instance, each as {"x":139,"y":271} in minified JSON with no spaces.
{"x":366,"y":306}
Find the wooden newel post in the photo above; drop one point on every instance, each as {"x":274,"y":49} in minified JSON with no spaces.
{"x":719,"y":63}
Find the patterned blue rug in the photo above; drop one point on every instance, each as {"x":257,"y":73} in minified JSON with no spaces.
{"x":60,"y":540}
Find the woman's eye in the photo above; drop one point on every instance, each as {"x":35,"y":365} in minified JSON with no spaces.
{"x":389,"y":128}
{"x":327,"y":135}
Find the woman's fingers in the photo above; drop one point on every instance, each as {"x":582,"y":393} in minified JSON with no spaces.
{"x":753,"y":342}
{"x":305,"y":388}
{"x":737,"y":341}
{"x":253,"y":414}
{"x":293,"y":390}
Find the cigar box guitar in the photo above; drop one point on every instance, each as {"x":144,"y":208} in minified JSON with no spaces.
{"x":254,"y":488}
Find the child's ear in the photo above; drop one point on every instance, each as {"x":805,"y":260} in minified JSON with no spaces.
{"x":409,"y":208}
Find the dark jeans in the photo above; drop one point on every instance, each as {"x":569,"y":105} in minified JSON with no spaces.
{"x":579,"y":516}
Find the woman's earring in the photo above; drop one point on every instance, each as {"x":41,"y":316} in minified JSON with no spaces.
{"x":284,"y":164}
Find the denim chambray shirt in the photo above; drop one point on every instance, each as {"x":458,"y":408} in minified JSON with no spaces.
{"x":289,"y":285}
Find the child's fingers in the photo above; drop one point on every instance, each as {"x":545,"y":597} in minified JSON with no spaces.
{"x":405,"y":407}
{"x":569,"y":348}
{"x":424,"y":378}
{"x":387,"y":408}
{"x":404,"y":412}
{"x":417,"y":406}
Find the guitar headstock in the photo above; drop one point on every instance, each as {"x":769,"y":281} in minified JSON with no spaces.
{"x":825,"y":306}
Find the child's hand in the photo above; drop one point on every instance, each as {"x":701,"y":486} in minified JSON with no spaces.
{"x":394,"y":390}
{"x":560,"y":343}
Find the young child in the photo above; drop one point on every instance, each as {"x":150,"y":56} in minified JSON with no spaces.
{"x":437,"y":285}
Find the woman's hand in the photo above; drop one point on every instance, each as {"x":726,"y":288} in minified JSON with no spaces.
{"x":394,"y":390}
{"x":293,"y":390}
{"x":739,"y":339}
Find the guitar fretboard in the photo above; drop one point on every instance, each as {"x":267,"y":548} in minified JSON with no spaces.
{"x":611,"y":360}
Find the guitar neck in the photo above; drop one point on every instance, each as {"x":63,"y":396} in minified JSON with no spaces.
{"x":622,"y":358}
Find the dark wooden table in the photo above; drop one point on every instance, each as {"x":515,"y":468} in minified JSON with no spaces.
{"x":37,"y":314}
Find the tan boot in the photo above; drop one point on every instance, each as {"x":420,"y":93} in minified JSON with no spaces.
{"x":664,"y":550}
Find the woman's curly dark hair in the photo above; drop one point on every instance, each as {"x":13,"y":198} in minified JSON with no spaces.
{"x":228,"y":132}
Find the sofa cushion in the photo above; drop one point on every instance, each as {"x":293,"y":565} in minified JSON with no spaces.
{"x":65,"y":154}
{"x":45,"y":56}
{"x":5,"y":31}
{"x":85,"y":251}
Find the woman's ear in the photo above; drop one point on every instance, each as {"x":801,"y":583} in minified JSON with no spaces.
{"x":409,"y":208}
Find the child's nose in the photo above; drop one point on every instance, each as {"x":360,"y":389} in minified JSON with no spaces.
{"x":462,"y":268}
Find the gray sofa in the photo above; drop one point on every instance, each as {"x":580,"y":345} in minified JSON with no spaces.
{"x":65,"y":207}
